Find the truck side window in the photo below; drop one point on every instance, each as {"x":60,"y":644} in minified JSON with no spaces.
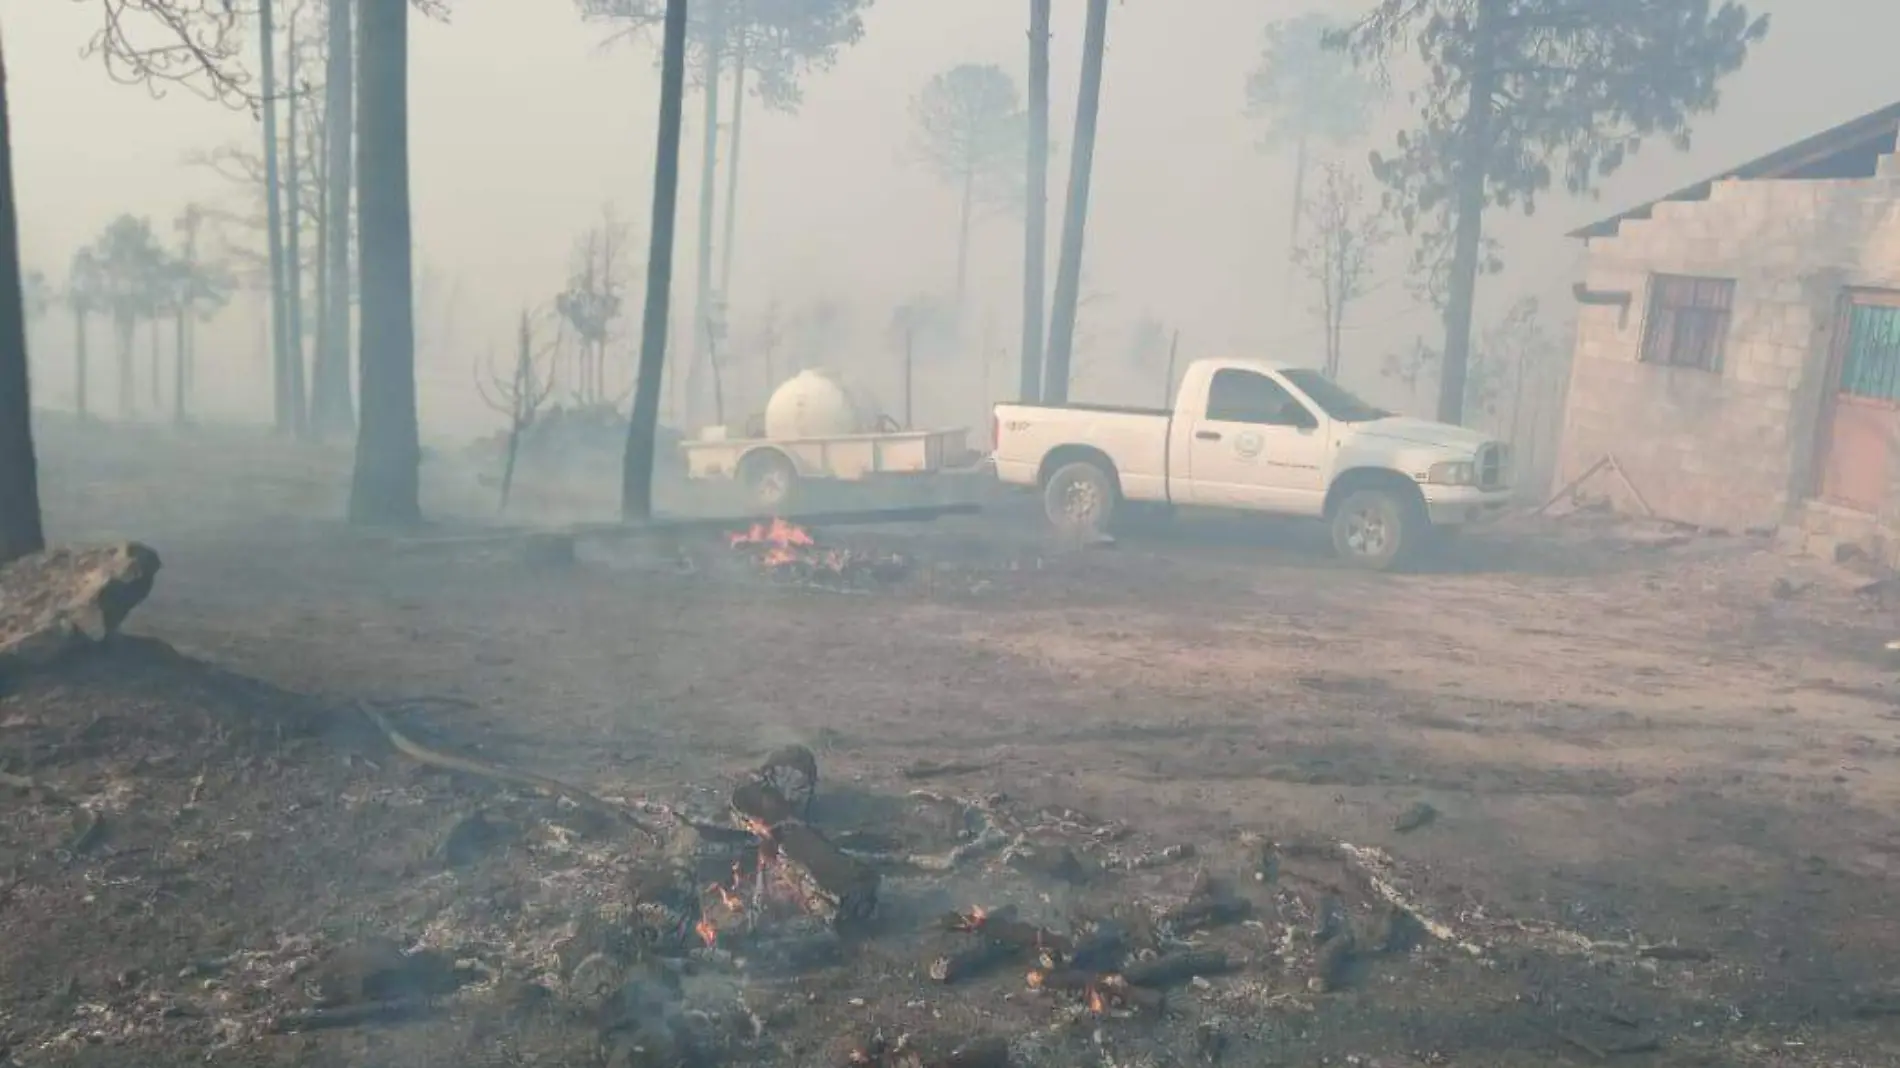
{"x":1237,"y":396}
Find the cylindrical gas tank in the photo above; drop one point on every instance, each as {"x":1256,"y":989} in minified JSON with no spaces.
{"x":818,"y":404}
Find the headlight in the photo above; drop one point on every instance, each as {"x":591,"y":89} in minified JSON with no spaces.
{"x":1453,"y":473}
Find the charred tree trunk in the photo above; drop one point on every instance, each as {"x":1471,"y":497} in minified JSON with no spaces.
{"x":21,"y":532}
{"x":285,"y":416}
{"x":386,"y":486}
{"x":732,"y":159}
{"x":1036,"y":208}
{"x":636,"y":476}
{"x":293,"y":248}
{"x":1468,"y":236}
{"x":708,"y":190}
{"x":1076,"y":211}
{"x":331,"y":409}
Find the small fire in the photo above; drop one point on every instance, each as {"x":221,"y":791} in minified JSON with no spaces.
{"x":707,"y":933}
{"x":977,"y":915}
{"x":731,"y":901}
{"x":778,"y":534}
{"x":1096,"y":1004}
{"x":1034,"y":979}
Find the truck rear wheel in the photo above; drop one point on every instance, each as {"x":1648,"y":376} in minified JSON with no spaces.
{"x":1080,"y":498}
{"x":1377,"y":529}
{"x":769,"y":479}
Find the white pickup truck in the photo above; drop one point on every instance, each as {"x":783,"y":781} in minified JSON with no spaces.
{"x":1248,"y":435}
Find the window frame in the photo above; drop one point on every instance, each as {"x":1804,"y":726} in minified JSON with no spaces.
{"x":1213,"y":383}
{"x":1686,"y":322}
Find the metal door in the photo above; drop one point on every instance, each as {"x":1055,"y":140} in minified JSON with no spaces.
{"x":1865,"y":422}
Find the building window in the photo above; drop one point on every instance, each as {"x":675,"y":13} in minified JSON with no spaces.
{"x":1688,"y":321}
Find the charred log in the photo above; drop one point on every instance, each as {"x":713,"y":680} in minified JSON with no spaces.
{"x":1216,"y":909}
{"x":1006,"y":929}
{"x":761,"y":807}
{"x":883,"y":1053}
{"x":1102,"y":990}
{"x":979,"y":960}
{"x":1177,"y":968}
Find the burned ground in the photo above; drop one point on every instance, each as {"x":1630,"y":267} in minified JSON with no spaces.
{"x":1648,"y":780}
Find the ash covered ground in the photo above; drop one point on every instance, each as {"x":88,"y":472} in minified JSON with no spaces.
{"x":1589,"y":792}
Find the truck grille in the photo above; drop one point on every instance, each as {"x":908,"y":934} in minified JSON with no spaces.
{"x":1494,"y":466}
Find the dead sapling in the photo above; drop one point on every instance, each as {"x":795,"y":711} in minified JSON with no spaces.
{"x":518,"y":395}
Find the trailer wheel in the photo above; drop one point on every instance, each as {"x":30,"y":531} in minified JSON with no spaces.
{"x":769,"y":479}
{"x":1080,"y":498}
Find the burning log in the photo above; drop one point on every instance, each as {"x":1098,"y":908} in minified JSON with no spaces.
{"x":1102,"y":990}
{"x":1177,"y":968}
{"x":826,"y":881}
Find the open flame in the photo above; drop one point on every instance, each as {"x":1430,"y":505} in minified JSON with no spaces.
{"x":1096,"y":1004}
{"x":707,"y":932}
{"x":789,"y":548}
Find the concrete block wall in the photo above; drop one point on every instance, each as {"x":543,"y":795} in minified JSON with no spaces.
{"x":1734,"y":449}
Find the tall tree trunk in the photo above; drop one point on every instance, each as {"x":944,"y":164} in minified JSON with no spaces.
{"x":158,"y":355}
{"x":386,"y":487}
{"x":1076,"y":211}
{"x":274,"y":222}
{"x":1299,"y":213}
{"x":739,"y":59}
{"x":963,"y":238}
{"x":128,"y":330}
{"x":708,"y":190}
{"x":1468,"y":238}
{"x":636,"y":473}
{"x":332,"y":410}
{"x":20,"y":529}
{"x":181,"y":355}
{"x":293,"y":245}
{"x":79,"y":361}
{"x":1036,"y":209}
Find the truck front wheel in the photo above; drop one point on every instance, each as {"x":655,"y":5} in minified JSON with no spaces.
{"x":1080,"y":498}
{"x":1377,"y":529}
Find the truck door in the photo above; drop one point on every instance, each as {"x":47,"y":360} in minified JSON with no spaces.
{"x":1255,"y":446}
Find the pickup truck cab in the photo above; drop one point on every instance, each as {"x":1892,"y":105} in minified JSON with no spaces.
{"x":1249,"y":435}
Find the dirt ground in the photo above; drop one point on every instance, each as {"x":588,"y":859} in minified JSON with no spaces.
{"x":1657,"y":771}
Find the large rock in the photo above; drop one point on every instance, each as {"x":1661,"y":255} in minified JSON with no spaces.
{"x":58,"y":600}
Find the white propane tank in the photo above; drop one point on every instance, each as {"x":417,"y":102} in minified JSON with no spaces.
{"x":818,"y":404}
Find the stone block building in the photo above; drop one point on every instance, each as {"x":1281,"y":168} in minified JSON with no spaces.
{"x":1738,"y":344}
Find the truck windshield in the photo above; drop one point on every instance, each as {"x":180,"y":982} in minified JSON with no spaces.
{"x":1334,"y":399}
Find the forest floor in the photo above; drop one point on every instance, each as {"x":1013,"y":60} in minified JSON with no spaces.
{"x":1649,"y":783}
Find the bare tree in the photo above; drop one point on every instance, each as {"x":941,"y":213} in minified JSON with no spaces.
{"x":21,"y":531}
{"x":519,"y":394}
{"x":593,"y":301}
{"x":163,"y":44}
{"x":1346,"y":233}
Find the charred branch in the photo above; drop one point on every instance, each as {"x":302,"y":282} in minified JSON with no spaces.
{"x":981,"y":959}
{"x":1023,"y":938}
